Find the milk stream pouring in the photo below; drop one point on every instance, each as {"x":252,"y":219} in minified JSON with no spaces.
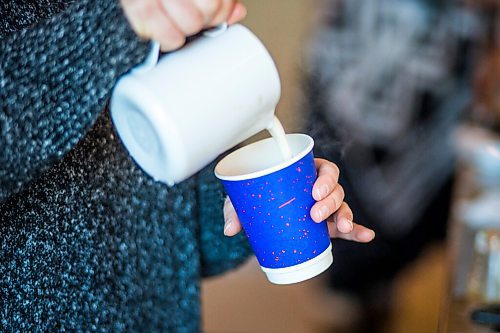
{"x":278,"y":133}
{"x":177,"y":113}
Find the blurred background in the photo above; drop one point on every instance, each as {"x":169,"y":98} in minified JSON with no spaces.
{"x":404,"y":96}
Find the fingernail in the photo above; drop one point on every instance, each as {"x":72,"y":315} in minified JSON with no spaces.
{"x":372,"y":234}
{"x":322,"y":192}
{"x":227,"y":203}
{"x":322,"y":213}
{"x":318,"y":193}
{"x":227,"y":226}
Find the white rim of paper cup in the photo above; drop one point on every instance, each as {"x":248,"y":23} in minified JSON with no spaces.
{"x":301,"y":272}
{"x":266,"y":171}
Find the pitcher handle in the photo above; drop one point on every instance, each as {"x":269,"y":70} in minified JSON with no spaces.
{"x":216,"y":31}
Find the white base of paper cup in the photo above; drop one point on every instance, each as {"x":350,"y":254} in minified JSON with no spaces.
{"x":301,"y":272}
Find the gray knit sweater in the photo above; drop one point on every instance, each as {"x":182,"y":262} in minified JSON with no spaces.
{"x":88,"y":242}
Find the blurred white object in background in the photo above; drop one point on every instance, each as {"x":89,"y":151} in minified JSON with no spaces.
{"x":487,"y":165}
{"x":483,"y":211}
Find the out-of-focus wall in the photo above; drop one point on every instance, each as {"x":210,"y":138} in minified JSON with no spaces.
{"x":283,"y":26}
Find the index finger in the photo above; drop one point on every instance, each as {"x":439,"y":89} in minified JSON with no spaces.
{"x":328,"y":177}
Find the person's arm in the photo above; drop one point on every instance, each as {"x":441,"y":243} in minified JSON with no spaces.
{"x":55,"y":79}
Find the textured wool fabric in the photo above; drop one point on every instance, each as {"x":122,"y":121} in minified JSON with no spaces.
{"x":88,"y":242}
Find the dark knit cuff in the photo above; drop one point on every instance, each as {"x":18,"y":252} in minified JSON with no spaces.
{"x":219,"y":253}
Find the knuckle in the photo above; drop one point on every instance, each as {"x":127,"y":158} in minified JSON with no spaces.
{"x":221,"y":14}
{"x":335,"y":203}
{"x":333,"y":180}
{"x":330,"y":168}
{"x":335,"y":169}
{"x":178,"y":41}
{"x":208,"y":7}
{"x":172,"y":43}
{"x":147,"y":7}
{"x":216,"y":21}
{"x":196,"y":23}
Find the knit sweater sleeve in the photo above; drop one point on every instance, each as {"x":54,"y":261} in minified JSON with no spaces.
{"x":55,"y":79}
{"x":219,"y":253}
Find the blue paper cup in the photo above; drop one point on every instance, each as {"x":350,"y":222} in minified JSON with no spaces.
{"x":273,"y":199}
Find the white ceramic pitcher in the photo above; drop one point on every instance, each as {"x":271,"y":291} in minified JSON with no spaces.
{"x":178,"y":113}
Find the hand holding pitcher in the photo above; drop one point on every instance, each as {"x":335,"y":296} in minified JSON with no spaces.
{"x":178,"y":115}
{"x":169,"y":22}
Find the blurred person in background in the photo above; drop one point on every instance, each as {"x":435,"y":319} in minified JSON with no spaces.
{"x":386,"y":83}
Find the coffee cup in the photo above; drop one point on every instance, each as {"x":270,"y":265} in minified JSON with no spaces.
{"x":272,"y":197}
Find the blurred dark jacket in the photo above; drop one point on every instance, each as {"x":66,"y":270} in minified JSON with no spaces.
{"x":386,"y":83}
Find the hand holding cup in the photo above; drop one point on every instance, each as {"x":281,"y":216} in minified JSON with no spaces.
{"x":330,"y":205}
{"x":289,"y":207}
